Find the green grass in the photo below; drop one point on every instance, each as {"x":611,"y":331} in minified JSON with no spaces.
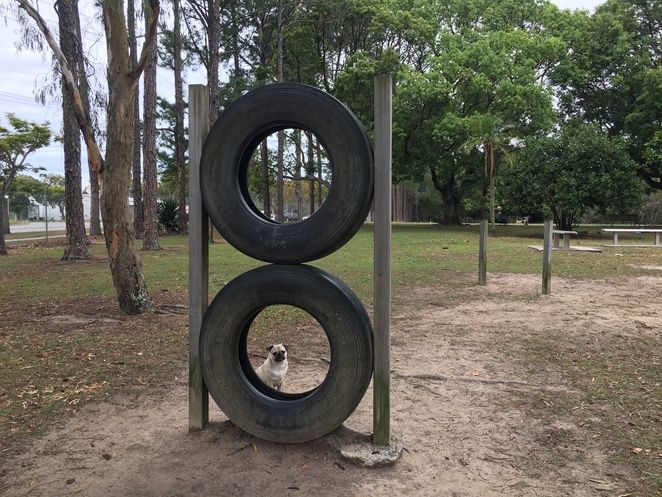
{"x":422,"y":255}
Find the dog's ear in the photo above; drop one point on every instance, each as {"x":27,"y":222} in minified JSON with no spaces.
{"x":285,"y":345}
{"x":270,"y":347}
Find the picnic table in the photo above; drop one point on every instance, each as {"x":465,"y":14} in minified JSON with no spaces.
{"x":615,"y":232}
{"x":556,"y":235}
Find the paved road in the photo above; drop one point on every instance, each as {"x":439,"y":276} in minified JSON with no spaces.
{"x":40,"y":227}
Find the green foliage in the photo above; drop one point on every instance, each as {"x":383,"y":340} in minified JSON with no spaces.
{"x":16,"y":143}
{"x":564,"y":174}
{"x":167,"y":212}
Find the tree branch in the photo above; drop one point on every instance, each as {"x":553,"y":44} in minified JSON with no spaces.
{"x":150,"y":40}
{"x":71,"y":86}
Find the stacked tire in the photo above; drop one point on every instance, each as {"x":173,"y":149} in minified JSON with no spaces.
{"x":228,"y":374}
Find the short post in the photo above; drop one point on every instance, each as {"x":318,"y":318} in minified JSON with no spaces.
{"x":198,"y":256}
{"x":547,"y":259}
{"x":566,"y":241}
{"x":482,"y":253}
{"x":382,"y":247}
{"x":657,"y":238}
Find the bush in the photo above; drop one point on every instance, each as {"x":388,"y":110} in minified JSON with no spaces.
{"x":168,"y":215}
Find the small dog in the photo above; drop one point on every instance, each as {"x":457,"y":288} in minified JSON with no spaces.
{"x":273,"y":370}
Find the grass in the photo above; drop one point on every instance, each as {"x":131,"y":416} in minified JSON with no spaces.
{"x":48,"y":367}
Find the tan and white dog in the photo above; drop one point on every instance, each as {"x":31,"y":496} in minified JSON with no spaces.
{"x":273,"y":370}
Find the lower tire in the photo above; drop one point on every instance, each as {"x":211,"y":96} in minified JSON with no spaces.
{"x":231,"y":380}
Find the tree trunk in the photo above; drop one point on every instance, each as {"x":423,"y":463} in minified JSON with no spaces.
{"x":125,"y":266}
{"x":4,"y":224}
{"x":179,"y":119}
{"x":266,"y":194}
{"x":213,"y":40}
{"x":137,"y":186}
{"x":280,"y":207}
{"x":310,"y":172}
{"x":281,"y":134}
{"x":489,"y":151}
{"x":318,"y":149}
{"x":297,"y":175}
{"x":76,"y":244}
{"x":450,"y":199}
{"x":84,"y":86}
{"x":151,"y":236}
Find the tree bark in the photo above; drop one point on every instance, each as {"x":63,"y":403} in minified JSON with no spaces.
{"x":4,"y":224}
{"x":213,"y":40}
{"x":450,"y":198}
{"x":266,"y":193}
{"x":179,"y":118}
{"x":281,"y":134}
{"x":76,"y":245}
{"x":83,"y":84}
{"x":297,"y":175}
{"x":125,"y":265}
{"x":137,"y":188}
{"x":151,"y":226}
{"x":310,"y":172}
{"x":318,"y":149}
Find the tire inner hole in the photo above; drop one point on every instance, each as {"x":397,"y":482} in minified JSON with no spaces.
{"x":306,"y":175}
{"x":308,"y":351}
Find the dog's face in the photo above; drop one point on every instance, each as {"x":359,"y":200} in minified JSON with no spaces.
{"x":277,"y":353}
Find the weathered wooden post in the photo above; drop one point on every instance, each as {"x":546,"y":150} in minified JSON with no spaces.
{"x":382,"y":246}
{"x":547,"y":259}
{"x":198,"y":256}
{"x":482,"y":253}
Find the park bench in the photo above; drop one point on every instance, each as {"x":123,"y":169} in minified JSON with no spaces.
{"x":615,"y":232}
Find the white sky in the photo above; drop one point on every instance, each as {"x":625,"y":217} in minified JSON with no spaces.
{"x":21,"y":73}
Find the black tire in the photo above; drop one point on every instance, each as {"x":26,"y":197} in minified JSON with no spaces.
{"x":224,"y":165}
{"x":231,"y":380}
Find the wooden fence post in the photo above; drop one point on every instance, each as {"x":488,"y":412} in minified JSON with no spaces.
{"x":482,"y":253}
{"x":547,"y":259}
{"x":198,"y":256}
{"x":381,"y":435}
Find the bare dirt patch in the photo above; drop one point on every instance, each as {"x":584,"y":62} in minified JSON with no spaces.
{"x":493,"y":393}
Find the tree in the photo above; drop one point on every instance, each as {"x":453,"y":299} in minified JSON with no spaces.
{"x":17,"y":142}
{"x":151,"y":226}
{"x":608,"y":75}
{"x":125,"y":266}
{"x":171,"y":57}
{"x":76,"y":244}
{"x":136,"y":167}
{"x":578,"y":168}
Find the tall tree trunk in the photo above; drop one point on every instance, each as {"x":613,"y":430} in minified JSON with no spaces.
{"x":297,"y":175}
{"x":179,"y":118}
{"x":281,"y":134}
{"x":236,"y":55}
{"x":125,"y":265}
{"x":84,"y":86}
{"x":151,"y":236}
{"x":4,"y":222}
{"x":137,"y":185}
{"x":318,"y":149}
{"x":76,"y":244}
{"x":213,"y":40}
{"x":310,"y":172}
{"x":266,"y":194}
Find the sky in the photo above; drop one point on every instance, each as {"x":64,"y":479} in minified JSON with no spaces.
{"x":22,"y":73}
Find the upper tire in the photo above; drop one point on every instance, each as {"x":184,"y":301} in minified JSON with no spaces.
{"x":224,"y":168}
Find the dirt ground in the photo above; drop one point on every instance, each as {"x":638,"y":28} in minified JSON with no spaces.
{"x":476,"y":412}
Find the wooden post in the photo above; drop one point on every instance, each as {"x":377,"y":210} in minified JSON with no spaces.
{"x":382,"y":246}
{"x":482,"y":253}
{"x":198,"y":256}
{"x":547,"y":259}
